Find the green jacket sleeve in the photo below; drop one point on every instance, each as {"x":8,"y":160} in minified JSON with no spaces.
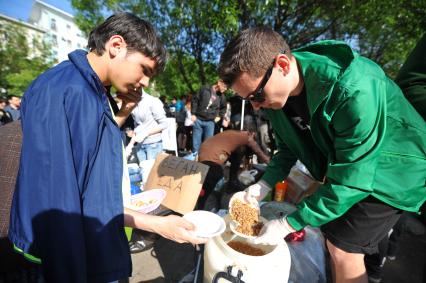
{"x":358,"y":125}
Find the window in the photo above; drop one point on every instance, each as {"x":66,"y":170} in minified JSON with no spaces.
{"x":69,"y":43}
{"x":53,"y":24}
{"x":68,"y":27}
{"x":55,"y":40}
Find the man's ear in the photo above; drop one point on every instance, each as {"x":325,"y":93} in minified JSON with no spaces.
{"x":282,"y":61}
{"x":115,"y":45}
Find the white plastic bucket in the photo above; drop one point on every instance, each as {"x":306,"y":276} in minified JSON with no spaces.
{"x":219,"y":258}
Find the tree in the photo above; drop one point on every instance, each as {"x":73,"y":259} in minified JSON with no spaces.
{"x":384,"y":31}
{"x":191,"y":30}
{"x":21,"y":61}
{"x":195,"y":32}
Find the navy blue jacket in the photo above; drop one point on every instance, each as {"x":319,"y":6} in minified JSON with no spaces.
{"x":67,"y":208}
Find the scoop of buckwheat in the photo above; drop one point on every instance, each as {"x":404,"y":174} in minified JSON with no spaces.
{"x":247,"y":217}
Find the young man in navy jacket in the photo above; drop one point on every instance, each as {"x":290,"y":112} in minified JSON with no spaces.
{"x":67,"y":211}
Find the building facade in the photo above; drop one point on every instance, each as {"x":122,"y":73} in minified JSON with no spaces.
{"x":8,"y":24}
{"x":60,"y":29}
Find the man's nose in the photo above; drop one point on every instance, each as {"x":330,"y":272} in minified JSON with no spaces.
{"x":144,"y":81}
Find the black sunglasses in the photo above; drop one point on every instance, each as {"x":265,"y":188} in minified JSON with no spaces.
{"x":257,"y":95}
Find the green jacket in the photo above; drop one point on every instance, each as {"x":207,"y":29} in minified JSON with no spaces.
{"x":367,"y":139}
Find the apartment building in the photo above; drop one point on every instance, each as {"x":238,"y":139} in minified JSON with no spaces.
{"x":59,"y":27}
{"x":32,"y":32}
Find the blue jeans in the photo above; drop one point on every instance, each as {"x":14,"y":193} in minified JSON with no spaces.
{"x":148,"y":151}
{"x":201,"y":131}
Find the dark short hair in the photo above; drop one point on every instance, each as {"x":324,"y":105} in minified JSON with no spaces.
{"x":10,"y":96}
{"x":138,"y":34}
{"x":253,"y":51}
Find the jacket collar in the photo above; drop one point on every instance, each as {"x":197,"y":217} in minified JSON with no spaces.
{"x":321,"y":64}
{"x":79,"y":59}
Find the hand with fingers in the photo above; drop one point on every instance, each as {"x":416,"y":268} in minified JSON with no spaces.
{"x":129,"y":100}
{"x":274,"y":232}
{"x":178,"y":229}
{"x":140,"y":137}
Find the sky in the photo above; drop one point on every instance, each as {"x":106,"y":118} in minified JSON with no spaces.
{"x":20,"y":9}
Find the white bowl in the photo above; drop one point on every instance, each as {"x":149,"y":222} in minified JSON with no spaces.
{"x":147,"y":201}
{"x":207,"y":224}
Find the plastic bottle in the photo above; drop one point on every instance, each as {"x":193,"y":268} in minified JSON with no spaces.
{"x":280,"y":190}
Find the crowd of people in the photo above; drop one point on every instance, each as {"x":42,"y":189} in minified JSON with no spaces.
{"x":225,"y":114}
{"x":332,"y":109}
{"x":9,"y":109}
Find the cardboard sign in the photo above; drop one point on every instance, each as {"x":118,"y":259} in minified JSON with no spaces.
{"x":182,"y":179}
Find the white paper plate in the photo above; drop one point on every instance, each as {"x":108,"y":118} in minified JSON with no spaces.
{"x":147,"y":201}
{"x":207,"y":224}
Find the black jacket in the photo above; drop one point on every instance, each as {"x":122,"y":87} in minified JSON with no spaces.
{"x":207,"y":104}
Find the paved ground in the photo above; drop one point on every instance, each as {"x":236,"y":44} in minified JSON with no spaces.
{"x":165,"y":262}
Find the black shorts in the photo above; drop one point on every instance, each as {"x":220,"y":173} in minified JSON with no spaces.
{"x":362,"y":227}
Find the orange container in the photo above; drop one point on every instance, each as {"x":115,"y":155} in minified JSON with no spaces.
{"x":280,"y":190}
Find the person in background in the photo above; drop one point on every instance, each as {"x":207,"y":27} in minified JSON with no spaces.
{"x":226,"y":121}
{"x":3,"y":103}
{"x":352,"y":128}
{"x":180,"y":104}
{"x":216,"y":150}
{"x":150,"y":120}
{"x":68,"y":210}
{"x":208,"y":107}
{"x":166,"y":106}
{"x":5,"y":116}
{"x":188,"y":124}
{"x":263,"y":130}
{"x":13,"y":107}
{"x":236,"y":111}
{"x":180,"y":121}
{"x":411,"y":78}
{"x":172,"y":106}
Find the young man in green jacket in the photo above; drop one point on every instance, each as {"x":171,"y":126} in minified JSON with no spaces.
{"x":349,"y":124}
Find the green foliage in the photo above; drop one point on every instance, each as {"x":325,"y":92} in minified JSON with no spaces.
{"x":386,"y":31}
{"x":195,"y":31}
{"x":21,"y":62}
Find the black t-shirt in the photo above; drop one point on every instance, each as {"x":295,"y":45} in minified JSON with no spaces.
{"x":296,"y":108}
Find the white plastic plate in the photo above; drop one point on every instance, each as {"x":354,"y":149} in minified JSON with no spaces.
{"x":207,"y":224}
{"x":147,"y":201}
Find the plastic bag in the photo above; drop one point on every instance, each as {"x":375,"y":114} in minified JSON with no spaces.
{"x":307,"y":256}
{"x":247,"y":177}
